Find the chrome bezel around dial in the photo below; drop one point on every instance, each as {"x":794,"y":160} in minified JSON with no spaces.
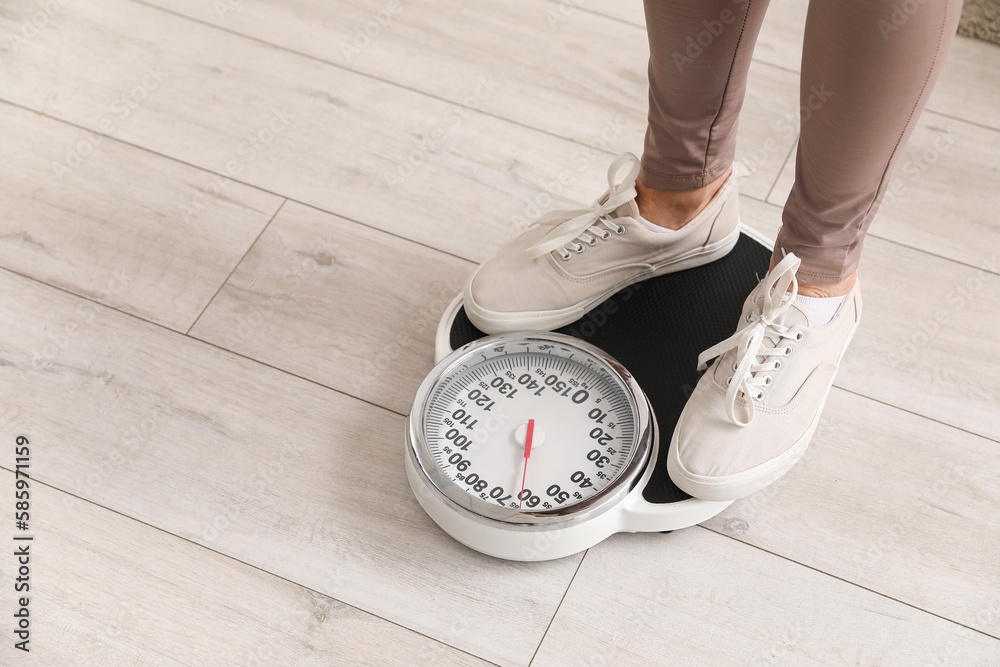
{"x":492,"y":514}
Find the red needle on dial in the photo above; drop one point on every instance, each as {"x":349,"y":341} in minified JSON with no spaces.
{"x":527,"y":453}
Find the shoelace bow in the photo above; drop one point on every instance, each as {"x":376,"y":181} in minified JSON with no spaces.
{"x":572,"y":228}
{"x":754,"y":359}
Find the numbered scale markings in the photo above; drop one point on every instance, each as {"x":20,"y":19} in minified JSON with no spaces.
{"x":535,"y":446}
{"x":583,"y":428}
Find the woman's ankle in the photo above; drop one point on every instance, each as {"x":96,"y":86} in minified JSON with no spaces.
{"x":675,"y":208}
{"x":822,"y":291}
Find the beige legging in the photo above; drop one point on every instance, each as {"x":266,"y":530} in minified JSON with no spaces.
{"x":867,"y":71}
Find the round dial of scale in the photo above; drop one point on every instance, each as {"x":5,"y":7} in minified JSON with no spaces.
{"x":530,"y":428}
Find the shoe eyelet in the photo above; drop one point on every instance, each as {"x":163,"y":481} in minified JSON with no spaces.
{"x":777,"y":364}
{"x":759,"y":395}
{"x":749,"y":317}
{"x":606,"y":235}
{"x":788,"y":350}
{"x":735,"y":366}
{"x":799,"y":336}
{"x":729,"y":380}
{"x":565,"y":256}
{"x":768,"y":380}
{"x":621,"y":230}
{"x":579,"y":248}
{"x":592,"y":241}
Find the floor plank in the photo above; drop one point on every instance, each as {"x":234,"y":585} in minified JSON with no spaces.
{"x":296,"y":479}
{"x":779,"y":42}
{"x":353,"y":142}
{"x":321,"y":297}
{"x":697,"y":598}
{"x":584,"y":74}
{"x":943,"y":194}
{"x":117,"y":224}
{"x":893,"y":502}
{"x":630,"y":12}
{"x":106,"y":589}
{"x":919,"y":311}
{"x":291,"y":125}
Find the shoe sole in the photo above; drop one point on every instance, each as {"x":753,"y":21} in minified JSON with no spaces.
{"x":546,"y":320}
{"x":739,"y":485}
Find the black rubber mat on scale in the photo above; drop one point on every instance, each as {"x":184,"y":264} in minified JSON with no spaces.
{"x":657,"y":329}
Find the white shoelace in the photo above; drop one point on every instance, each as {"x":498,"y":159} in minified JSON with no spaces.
{"x":758,"y":345}
{"x":571,"y":229}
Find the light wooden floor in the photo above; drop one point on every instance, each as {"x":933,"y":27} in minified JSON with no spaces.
{"x":227,"y":230}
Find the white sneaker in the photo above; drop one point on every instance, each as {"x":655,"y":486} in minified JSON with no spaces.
{"x":569,"y":262}
{"x":751,"y":416}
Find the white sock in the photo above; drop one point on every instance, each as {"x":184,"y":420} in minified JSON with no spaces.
{"x":653,"y":227}
{"x":822,"y":309}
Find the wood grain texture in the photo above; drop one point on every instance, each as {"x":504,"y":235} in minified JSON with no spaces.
{"x":943,"y":195}
{"x":348,"y":143}
{"x":584,"y":77}
{"x":893,"y":502}
{"x":324,"y":298}
{"x":697,"y":598}
{"x":925,"y":338}
{"x":108,"y":221}
{"x":106,"y":589}
{"x":354,"y":146}
{"x":778,"y":43}
{"x":296,"y":479}
{"x":631,"y":12}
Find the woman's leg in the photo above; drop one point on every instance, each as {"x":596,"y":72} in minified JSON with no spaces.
{"x":700,"y":53}
{"x":699,"y":57}
{"x":571,"y":260}
{"x":867,"y":71}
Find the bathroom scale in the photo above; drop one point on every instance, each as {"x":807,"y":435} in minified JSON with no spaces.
{"x":537,"y":445}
